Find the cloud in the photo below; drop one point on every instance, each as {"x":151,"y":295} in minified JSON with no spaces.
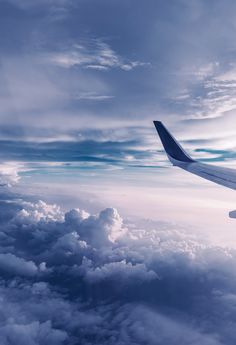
{"x":13,"y":265}
{"x":122,"y":270}
{"x":93,"y":96}
{"x":36,"y":212}
{"x":27,"y":4}
{"x":142,"y":325}
{"x":34,"y":333}
{"x":215,"y":95}
{"x":69,"y":276}
{"x":95,"y":54}
{"x":27,"y":87}
{"x":9,"y":174}
{"x":102,"y":148}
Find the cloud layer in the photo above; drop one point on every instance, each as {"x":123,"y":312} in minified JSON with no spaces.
{"x":69,"y":277}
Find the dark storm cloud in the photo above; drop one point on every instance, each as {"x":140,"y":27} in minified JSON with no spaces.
{"x":73,"y":277}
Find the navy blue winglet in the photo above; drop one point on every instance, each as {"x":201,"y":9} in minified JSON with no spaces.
{"x":171,"y":146}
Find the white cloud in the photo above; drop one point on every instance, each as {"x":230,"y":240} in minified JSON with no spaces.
{"x":102,"y":229}
{"x":92,"y":96}
{"x":70,"y":244}
{"x":9,"y":173}
{"x":211,"y":92}
{"x":36,"y":212}
{"x":96,"y":54}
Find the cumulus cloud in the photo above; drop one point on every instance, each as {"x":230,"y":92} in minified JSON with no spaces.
{"x":72,"y":276}
{"x":36,"y":212}
{"x":122,"y":270}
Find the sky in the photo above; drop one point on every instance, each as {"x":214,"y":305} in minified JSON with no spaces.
{"x":121,"y":247}
{"x":82,"y":82}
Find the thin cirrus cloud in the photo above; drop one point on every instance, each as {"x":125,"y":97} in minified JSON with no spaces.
{"x":212,"y":93}
{"x":92,"y":96}
{"x":96,"y":54}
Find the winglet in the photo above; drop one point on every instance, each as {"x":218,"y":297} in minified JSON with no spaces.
{"x":173,"y":149}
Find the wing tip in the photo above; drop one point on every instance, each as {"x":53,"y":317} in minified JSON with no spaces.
{"x":157,"y":122}
{"x":171,"y":146}
{"x":159,"y":125}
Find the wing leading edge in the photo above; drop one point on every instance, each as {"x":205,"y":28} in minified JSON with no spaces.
{"x":178,"y":157}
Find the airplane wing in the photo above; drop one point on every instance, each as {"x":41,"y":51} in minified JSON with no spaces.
{"x":178,"y":157}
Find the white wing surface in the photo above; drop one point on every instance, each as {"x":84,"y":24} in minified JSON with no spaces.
{"x":178,"y":157}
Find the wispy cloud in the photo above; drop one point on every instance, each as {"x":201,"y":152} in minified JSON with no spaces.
{"x":211,"y":92}
{"x":94,"y":54}
{"x":27,"y":4}
{"x":92,"y":96}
